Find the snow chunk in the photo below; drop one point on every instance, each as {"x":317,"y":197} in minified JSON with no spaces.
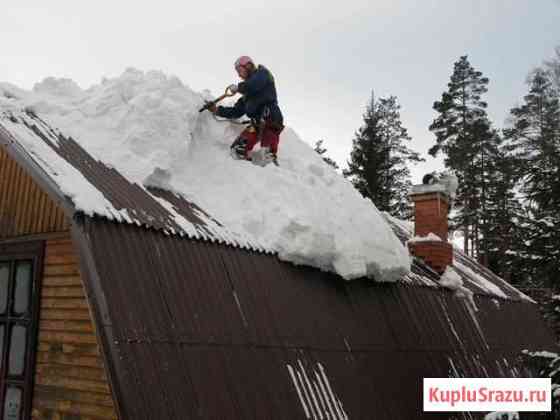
{"x":453,"y":281}
{"x":147,"y":126}
{"x":159,"y":178}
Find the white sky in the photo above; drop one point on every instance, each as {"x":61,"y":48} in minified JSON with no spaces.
{"x":326,"y":56}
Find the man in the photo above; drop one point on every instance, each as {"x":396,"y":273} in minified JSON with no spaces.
{"x":259,"y":102}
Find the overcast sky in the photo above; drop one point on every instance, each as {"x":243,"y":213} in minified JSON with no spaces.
{"x":326,"y":56}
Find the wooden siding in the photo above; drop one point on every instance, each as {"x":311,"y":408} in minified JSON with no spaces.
{"x":70,"y":380}
{"x":24,"y":208}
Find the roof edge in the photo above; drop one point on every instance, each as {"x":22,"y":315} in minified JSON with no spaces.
{"x":38,"y":174}
{"x":98,"y":309}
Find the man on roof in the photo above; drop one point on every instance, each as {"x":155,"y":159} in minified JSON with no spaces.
{"x":259,"y":102}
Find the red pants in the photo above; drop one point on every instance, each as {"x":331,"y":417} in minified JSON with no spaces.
{"x":270,"y":138}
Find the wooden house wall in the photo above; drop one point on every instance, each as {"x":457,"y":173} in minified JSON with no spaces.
{"x":24,"y":208}
{"x":70,"y":379}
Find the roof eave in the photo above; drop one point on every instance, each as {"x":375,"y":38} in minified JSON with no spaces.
{"x":38,"y":174}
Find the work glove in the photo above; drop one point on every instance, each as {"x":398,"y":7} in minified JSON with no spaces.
{"x":233,"y":88}
{"x":212,"y":107}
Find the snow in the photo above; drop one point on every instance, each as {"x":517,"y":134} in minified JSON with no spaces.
{"x":450,"y":279}
{"x":486,"y":280}
{"x":479,"y":280}
{"x":316,"y":393}
{"x":428,"y":238}
{"x":147,"y":126}
{"x":70,"y":180}
{"x":84,"y":194}
{"x":405,"y":225}
{"x":543,"y":353}
{"x":447,"y":184}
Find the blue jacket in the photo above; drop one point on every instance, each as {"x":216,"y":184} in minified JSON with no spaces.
{"x":259,"y":93}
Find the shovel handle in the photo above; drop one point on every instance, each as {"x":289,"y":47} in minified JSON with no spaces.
{"x":228,"y":93}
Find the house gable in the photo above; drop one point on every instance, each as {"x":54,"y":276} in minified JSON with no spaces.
{"x":69,"y":375}
{"x":25,"y":209}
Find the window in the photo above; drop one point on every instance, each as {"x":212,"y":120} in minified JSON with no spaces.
{"x":19,"y":301}
{"x":22,"y":287}
{"x":4,"y":282}
{"x":12,"y":403}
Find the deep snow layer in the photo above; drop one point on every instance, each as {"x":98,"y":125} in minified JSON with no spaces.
{"x":148,"y":127}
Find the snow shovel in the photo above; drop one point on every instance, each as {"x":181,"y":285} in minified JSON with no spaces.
{"x":226,"y":94}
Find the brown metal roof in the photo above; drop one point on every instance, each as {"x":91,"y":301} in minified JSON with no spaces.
{"x":150,"y":207}
{"x":199,"y":330}
{"x":477,"y":278}
{"x":130,"y":203}
{"x":194,"y":329}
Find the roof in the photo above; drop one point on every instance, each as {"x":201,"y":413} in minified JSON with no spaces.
{"x":62,"y":161}
{"x":477,"y":278}
{"x":194,"y":329}
{"x":241,"y":335}
{"x":77,"y":177}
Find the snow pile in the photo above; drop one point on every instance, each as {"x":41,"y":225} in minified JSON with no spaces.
{"x":25,"y":128}
{"x":147,"y":126}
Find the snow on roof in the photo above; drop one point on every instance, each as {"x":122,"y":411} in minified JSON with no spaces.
{"x":428,"y":188}
{"x":143,"y":133}
{"x":430,"y":237}
{"x":99,"y":190}
{"x":476,"y":277}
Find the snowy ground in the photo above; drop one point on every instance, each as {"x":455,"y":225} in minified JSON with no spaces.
{"x":148,"y":127}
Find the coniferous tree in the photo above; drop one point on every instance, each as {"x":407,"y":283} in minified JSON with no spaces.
{"x":553,"y":68}
{"x":534,"y":136}
{"x":504,"y":216}
{"x":378,"y":165}
{"x":321,"y":151}
{"x":465,"y":136}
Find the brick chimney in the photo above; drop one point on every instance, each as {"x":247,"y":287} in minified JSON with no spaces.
{"x":431,"y":207}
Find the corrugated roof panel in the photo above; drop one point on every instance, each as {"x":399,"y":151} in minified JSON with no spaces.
{"x":65,"y":161}
{"x":475,"y":277}
{"x":221,"y":332}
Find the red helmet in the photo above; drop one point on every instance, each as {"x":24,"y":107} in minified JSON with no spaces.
{"x":242,"y":62}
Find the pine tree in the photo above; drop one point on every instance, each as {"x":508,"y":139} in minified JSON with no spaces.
{"x":379,"y":158}
{"x":534,"y":135}
{"x":465,"y":136}
{"x":321,"y":151}
{"x":504,"y":216}
{"x":552,"y":66}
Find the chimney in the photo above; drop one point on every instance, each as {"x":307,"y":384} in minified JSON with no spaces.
{"x":431,"y":207}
